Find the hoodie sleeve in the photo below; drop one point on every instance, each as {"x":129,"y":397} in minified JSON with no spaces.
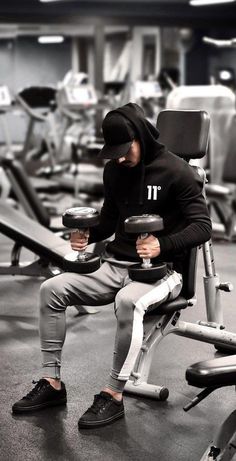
{"x":187,"y":190}
{"x":109,"y":213}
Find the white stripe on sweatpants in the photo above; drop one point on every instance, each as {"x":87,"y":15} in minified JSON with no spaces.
{"x":156,"y":296}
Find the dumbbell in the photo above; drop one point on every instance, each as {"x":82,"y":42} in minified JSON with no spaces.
{"x":143,"y":225}
{"x":80,"y":219}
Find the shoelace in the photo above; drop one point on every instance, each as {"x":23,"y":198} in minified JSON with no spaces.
{"x":39,"y":386}
{"x":100,"y":402}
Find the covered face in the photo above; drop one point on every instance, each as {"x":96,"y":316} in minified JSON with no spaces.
{"x":122,"y":126}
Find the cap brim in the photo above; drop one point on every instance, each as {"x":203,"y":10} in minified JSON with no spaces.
{"x":115,"y":151}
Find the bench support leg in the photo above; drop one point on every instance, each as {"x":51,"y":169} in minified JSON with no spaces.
{"x":223,"y":447}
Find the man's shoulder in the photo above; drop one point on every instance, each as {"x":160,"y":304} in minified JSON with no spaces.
{"x":177,"y":168}
{"x":171,"y":160}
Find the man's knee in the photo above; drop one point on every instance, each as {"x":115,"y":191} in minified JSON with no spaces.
{"x":52,"y":294}
{"x":124,"y":307}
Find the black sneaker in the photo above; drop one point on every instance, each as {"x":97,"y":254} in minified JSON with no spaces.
{"x":42,"y":395}
{"x":104,"y":410}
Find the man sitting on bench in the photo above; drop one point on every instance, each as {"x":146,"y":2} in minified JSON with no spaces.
{"x":142,"y":177}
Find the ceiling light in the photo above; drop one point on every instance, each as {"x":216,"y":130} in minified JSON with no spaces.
{"x":49,"y":1}
{"x":51,"y":39}
{"x":225,"y":74}
{"x":209,"y":2}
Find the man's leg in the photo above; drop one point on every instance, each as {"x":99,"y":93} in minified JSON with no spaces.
{"x":131,"y":303}
{"x":130,"y":306}
{"x":56,"y":294}
{"x":67,"y":289}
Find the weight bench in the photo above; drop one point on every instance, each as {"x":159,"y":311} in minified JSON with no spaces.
{"x":185,"y":133}
{"x":49,"y":247}
{"x":25,"y":192}
{"x":34,"y":231}
{"x":25,"y":232}
{"x":25,"y":188}
{"x":212,"y":375}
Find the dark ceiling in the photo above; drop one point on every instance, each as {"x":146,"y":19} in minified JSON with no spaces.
{"x":158,"y":12}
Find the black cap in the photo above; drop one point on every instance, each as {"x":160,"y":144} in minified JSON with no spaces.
{"x":118,"y":133}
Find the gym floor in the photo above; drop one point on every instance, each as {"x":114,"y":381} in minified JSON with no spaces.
{"x":151,"y":430}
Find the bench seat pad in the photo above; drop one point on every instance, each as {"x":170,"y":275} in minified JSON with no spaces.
{"x":216,"y":372}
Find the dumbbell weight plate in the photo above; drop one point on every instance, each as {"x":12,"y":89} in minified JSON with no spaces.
{"x":147,"y":275}
{"x":90,"y":263}
{"x":80,"y":217}
{"x":145,"y":223}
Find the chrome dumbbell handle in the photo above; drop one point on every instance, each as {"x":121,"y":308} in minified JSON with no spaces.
{"x":146,"y":261}
{"x":81,"y":253}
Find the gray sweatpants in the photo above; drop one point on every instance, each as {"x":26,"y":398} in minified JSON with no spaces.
{"x":109,"y":283}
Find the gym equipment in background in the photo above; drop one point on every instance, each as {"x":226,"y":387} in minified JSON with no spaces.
{"x":26,"y":195}
{"x":219,"y":102}
{"x":37,"y":102}
{"x":14,"y":161}
{"x":211,"y":375}
{"x":143,"y":225}
{"x":77,"y":98}
{"x":56,"y":109}
{"x":77,"y":102}
{"x":86,"y":188}
{"x":149,"y":95}
{"x":185,"y":133}
{"x":5,"y":107}
{"x":70,"y":146}
{"x":6,"y":102}
{"x":28,"y":233}
{"x":222,"y":198}
{"x":80,"y":219}
{"x":75,"y":92}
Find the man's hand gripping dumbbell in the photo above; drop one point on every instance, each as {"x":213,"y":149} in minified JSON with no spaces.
{"x":147,"y":246}
{"x":79,"y":220}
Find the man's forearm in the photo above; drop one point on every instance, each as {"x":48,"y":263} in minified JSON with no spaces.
{"x":193,"y":235}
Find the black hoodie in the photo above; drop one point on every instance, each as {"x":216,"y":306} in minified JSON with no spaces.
{"x":162,"y":184}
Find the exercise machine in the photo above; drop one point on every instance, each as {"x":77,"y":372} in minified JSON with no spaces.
{"x":211,"y":375}
{"x":77,"y":101}
{"x":185,"y":133}
{"x":148,"y":94}
{"x":11,"y":158}
{"x":6,"y":102}
{"x":37,"y":102}
{"x":219,"y":102}
{"x":6,"y":148}
{"x":222,"y":198}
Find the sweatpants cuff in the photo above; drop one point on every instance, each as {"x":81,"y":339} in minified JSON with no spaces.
{"x":52,"y":371}
{"x":116,"y":384}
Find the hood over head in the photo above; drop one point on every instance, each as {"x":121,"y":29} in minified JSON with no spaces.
{"x":124,"y":124}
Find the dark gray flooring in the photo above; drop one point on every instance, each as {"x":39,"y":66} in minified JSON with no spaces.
{"x":151,"y":430}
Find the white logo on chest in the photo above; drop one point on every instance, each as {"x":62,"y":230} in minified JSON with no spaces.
{"x":152,"y":192}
